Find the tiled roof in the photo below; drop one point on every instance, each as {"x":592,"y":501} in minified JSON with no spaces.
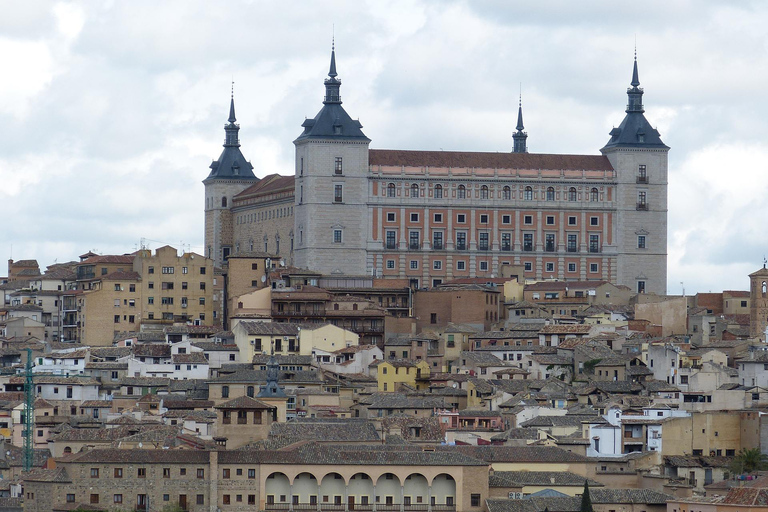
{"x":325,"y":430}
{"x":565,"y":329}
{"x":99,"y":434}
{"x":260,"y":376}
{"x":481,"y":359}
{"x":462,"y":159}
{"x":140,"y":456}
{"x":244,"y":402}
{"x":522,"y":478}
{"x":152,"y":382}
{"x":627,"y":496}
{"x":270,"y":328}
{"x":286,"y":359}
{"x":58,"y":475}
{"x":151,"y":350}
{"x":191,"y":358}
{"x":492,"y":454}
{"x":401,"y":401}
{"x":109,"y":258}
{"x":527,"y":434}
{"x":191,"y":329}
{"x":210,"y":346}
{"x":103,"y":404}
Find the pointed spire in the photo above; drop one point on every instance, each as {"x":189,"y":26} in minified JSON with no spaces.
{"x":232,"y":128}
{"x":332,"y":84}
{"x":635,"y":93}
{"x":635,"y":80}
{"x":332,"y":70}
{"x":232,"y":117}
{"x":520,"y":137}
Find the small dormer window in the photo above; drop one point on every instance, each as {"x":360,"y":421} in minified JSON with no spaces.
{"x":235,"y":169}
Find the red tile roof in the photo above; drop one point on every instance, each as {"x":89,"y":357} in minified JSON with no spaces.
{"x":389,"y":157}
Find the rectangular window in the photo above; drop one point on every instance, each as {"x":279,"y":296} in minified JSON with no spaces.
{"x":594,"y":221}
{"x":338,"y":193}
{"x":337,"y":236}
{"x":461,"y":241}
{"x":150,"y":270}
{"x":483,"y":242}
{"x":571,"y":267}
{"x":251,"y":474}
{"x":70,"y":498}
{"x":641,"y":241}
{"x":94,"y":472}
{"x":151,"y":285}
{"x":184,"y":270}
{"x":550,"y":267}
{"x":549,"y":240}
{"x":391,"y":239}
{"x":437,"y":240}
{"x":506,"y":219}
{"x":438,"y":218}
{"x":461,"y":218}
{"x":461,"y":265}
{"x":474,"y":500}
{"x":642,"y":174}
{"x":413,"y":240}
{"x":167,"y":285}
{"x":202,"y":270}
{"x":484,"y":266}
{"x":506,"y":241}
{"x":573,"y":242}
{"x":550,"y":220}
{"x":528,"y":220}
{"x":118,"y":473}
{"x":391,"y":217}
{"x":94,"y":499}
{"x":641,"y":287}
{"x":141,"y":472}
{"x":594,"y":243}
{"x":593,"y":268}
{"x":414,"y":217}
{"x":337,"y":165}
{"x":200,"y":499}
{"x":167,"y":270}
{"x":527,"y":241}
{"x":437,"y":265}
{"x":390,"y":264}
{"x":484,"y":218}
{"x":117,"y":319}
{"x":414,"y":264}
{"x":571,"y":221}
{"x":528,"y":266}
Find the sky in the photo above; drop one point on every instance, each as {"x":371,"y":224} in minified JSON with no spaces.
{"x":111,"y":112}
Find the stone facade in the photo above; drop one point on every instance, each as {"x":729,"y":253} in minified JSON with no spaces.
{"x":758,"y":310}
{"x":430,"y":217}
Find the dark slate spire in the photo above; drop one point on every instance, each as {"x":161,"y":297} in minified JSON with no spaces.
{"x":332,"y":120}
{"x":520,"y":137}
{"x":232,"y":163}
{"x":635,"y":93}
{"x":332,"y":84}
{"x":635,"y":130}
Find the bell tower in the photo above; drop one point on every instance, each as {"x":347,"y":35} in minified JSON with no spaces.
{"x":758,"y":304}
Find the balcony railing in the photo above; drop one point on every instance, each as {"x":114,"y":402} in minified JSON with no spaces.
{"x":642,"y":206}
{"x":392,"y":246}
{"x":642,"y":179}
{"x":461,"y":246}
{"x":414,"y":246}
{"x":438,"y":246}
{"x":506,"y":247}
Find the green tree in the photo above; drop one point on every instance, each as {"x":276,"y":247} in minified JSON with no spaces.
{"x":749,"y":460}
{"x":586,"y":500}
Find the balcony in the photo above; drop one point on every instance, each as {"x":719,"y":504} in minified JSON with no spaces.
{"x":642,"y":179}
{"x":461,"y":246}
{"x":414,"y":246}
{"x":642,"y":206}
{"x":392,"y":246}
{"x":437,"y":246}
{"x":482,"y":247}
{"x":506,"y":248}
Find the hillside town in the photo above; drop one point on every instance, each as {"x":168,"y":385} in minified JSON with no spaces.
{"x":392,"y":331}
{"x":307,"y":392}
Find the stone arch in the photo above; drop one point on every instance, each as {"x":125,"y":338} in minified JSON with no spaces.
{"x":277,"y":488}
{"x":550,"y":193}
{"x":415,"y":489}
{"x":332,"y":489}
{"x":388,"y":489}
{"x":305,"y":488}
{"x":224,"y":201}
{"x":443,"y":490}
{"x":360,"y":490}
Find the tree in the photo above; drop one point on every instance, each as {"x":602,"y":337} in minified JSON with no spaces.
{"x":749,"y":460}
{"x":586,"y":500}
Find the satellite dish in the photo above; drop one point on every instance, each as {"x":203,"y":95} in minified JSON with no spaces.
{"x":263,"y":279}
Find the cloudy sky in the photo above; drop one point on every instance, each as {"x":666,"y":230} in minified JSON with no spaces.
{"x":111,"y":112}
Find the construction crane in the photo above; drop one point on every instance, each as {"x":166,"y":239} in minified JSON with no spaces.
{"x":29,"y":413}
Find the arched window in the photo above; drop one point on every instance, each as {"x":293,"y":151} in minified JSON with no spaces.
{"x":507,"y":193}
{"x":550,"y":193}
{"x":224,"y":202}
{"x":251,"y":391}
{"x":67,"y":449}
{"x":572,"y":194}
{"x":528,"y":194}
{"x":354,"y":307}
{"x":462,"y":192}
{"x":391,"y":190}
{"x":438,"y":191}
{"x":594,"y":195}
{"x":484,"y":192}
{"x":765,"y":288}
{"x":414,"y":190}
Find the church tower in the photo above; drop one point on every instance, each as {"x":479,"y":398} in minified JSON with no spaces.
{"x":229,"y":175}
{"x":331,"y":188}
{"x":758,"y":303}
{"x":639,"y":159}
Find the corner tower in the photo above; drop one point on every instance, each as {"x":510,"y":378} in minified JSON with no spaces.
{"x":330,"y":226}
{"x":639,"y":159}
{"x":229,"y":175}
